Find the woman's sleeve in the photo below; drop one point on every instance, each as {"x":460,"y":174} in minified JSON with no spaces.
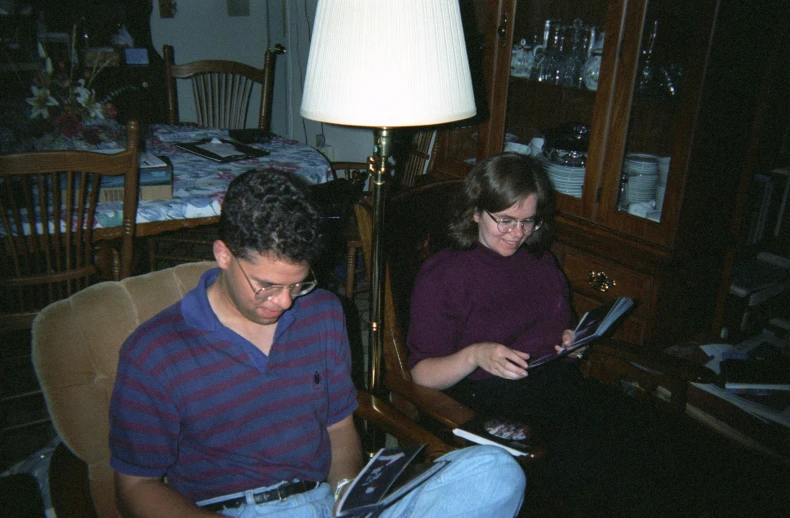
{"x":438,"y":311}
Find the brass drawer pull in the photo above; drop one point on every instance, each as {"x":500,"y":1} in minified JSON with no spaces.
{"x":600,"y":282}
{"x":502,"y":31}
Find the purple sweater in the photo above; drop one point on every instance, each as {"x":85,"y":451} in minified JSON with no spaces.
{"x":470,"y":296}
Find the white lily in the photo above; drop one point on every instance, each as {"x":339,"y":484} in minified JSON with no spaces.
{"x":40,"y":100}
{"x":87,"y":98}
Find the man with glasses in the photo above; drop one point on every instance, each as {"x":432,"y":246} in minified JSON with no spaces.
{"x":240,"y":395}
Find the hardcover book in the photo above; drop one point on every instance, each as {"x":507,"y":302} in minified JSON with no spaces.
{"x":513,"y":436}
{"x":222,"y":150}
{"x":384,"y":481}
{"x":593,"y":325}
{"x":155,"y":181}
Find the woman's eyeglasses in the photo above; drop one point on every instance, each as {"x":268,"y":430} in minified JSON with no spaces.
{"x":507,"y":225}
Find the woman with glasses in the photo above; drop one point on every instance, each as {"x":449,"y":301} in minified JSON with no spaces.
{"x":481,"y":310}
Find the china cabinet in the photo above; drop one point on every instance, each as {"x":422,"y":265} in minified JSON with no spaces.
{"x":664,"y":94}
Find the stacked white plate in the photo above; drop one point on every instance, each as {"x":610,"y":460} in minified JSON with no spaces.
{"x":566,"y":179}
{"x":642,"y":171}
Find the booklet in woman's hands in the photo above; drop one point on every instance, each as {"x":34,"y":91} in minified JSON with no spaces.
{"x":592,"y":326}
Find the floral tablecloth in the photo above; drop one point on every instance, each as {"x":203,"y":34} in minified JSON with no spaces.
{"x":199,"y":184}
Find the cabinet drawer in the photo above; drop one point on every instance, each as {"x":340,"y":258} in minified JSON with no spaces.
{"x":621,"y":281}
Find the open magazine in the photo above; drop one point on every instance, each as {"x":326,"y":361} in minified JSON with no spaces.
{"x":384,"y":480}
{"x":593,"y":325}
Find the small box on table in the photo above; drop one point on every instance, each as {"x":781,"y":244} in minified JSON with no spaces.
{"x":155,"y":183}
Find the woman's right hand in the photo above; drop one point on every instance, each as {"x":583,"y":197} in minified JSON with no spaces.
{"x":500,"y":360}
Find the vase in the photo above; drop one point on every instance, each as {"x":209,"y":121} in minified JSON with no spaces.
{"x":592,"y":70}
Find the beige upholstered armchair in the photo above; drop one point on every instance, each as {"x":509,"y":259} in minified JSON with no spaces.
{"x":76,"y":342}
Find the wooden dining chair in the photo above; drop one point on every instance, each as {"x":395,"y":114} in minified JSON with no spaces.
{"x":418,"y":159}
{"x":47,"y":212}
{"x":356,"y":172}
{"x":420,"y":234}
{"x":222,"y":89}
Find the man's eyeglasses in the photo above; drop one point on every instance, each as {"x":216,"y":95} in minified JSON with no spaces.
{"x":507,"y":225}
{"x":269,"y":291}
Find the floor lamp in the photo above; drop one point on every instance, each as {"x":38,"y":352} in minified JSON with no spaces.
{"x":386,"y":64}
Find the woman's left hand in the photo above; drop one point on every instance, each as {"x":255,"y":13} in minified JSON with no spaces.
{"x":567,"y":339}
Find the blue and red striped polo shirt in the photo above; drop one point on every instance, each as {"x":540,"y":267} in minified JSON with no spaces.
{"x":195,"y":401}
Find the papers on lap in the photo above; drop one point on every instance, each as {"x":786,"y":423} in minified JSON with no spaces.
{"x":384,"y":481}
{"x":593,"y":325}
{"x":511,"y":435}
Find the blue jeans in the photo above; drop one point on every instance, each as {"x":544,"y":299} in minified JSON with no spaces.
{"x":480,"y":481}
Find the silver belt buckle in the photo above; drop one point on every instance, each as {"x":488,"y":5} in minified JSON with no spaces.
{"x":279,"y":495}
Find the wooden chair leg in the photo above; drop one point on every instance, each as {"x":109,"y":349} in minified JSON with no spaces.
{"x":351,"y":268}
{"x":116,"y":265}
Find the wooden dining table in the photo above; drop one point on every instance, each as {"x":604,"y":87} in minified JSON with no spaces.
{"x":199,"y":184}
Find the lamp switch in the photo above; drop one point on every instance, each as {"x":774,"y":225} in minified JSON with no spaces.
{"x":167,"y":8}
{"x":320,"y":140}
{"x":238,"y":7}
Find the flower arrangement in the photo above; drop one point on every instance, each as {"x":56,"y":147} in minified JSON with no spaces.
{"x":69,"y":103}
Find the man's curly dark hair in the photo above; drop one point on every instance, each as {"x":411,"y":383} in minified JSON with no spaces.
{"x":270,"y":212}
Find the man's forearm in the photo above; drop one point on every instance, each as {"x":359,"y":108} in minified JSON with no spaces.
{"x":346,"y":452}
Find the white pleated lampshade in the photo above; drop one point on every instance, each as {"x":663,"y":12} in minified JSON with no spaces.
{"x":388,"y":63}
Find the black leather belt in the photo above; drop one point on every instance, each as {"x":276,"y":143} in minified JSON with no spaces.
{"x":279,"y":493}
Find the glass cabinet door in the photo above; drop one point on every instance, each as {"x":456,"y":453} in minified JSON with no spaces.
{"x":657,"y":78}
{"x":555,"y":64}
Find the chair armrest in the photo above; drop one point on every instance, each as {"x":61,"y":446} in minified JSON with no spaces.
{"x":447,"y":411}
{"x":657,"y":361}
{"x":433,"y":403}
{"x":396,"y":423}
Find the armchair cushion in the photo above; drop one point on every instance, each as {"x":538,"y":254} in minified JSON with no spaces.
{"x":75,"y":352}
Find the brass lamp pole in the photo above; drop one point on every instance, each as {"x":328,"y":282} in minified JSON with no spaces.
{"x":384,"y":64}
{"x":383,"y":150}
